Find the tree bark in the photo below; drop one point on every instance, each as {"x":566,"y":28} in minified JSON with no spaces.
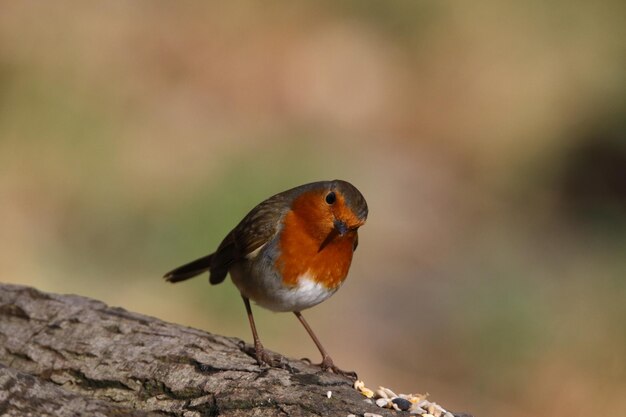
{"x":65,"y":355}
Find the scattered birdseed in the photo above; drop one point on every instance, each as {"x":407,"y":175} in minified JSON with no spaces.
{"x":415,"y":404}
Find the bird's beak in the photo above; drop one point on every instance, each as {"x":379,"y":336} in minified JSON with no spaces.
{"x":341,"y":227}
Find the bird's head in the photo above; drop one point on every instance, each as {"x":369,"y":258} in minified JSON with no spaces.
{"x":331,"y":208}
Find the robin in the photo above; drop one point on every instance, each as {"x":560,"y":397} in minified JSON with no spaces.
{"x":289,"y":253}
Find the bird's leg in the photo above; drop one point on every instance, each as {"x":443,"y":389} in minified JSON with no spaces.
{"x":262,"y":357}
{"x":327,"y":362}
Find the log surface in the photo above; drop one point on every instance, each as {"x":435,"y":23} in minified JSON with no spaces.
{"x":65,"y":355}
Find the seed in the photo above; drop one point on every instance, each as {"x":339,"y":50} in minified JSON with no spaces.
{"x":423,"y":403}
{"x":388,"y":393}
{"x":367,"y":392}
{"x":360,"y":386}
{"x":382,"y":402}
{"x":403,"y":404}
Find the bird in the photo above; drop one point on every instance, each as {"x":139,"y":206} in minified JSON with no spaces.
{"x":289,"y":253}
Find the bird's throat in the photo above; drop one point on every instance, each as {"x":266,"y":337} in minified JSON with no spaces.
{"x":325,"y":260}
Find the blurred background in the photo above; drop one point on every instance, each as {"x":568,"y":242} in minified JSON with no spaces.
{"x":488,"y":139}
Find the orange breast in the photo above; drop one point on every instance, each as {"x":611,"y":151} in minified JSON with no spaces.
{"x":300,"y":253}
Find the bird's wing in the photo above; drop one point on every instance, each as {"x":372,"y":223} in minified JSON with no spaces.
{"x":255,"y":230}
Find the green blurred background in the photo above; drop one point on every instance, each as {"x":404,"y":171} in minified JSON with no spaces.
{"x":488,"y":139}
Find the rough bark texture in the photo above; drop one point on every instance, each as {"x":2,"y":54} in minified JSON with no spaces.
{"x":65,"y":355}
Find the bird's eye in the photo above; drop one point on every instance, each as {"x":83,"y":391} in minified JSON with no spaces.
{"x":331,"y":197}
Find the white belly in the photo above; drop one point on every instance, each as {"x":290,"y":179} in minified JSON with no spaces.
{"x":270,"y":293}
{"x":306,"y":294}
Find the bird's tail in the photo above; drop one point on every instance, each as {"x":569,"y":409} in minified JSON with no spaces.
{"x":189,"y":270}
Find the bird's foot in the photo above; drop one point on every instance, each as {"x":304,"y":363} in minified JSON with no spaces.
{"x":328,"y":366}
{"x":262,"y":356}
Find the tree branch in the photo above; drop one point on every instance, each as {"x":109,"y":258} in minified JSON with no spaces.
{"x":65,"y":355}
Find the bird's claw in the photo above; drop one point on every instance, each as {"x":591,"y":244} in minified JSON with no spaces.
{"x":263,"y":357}
{"x":327,"y":365}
